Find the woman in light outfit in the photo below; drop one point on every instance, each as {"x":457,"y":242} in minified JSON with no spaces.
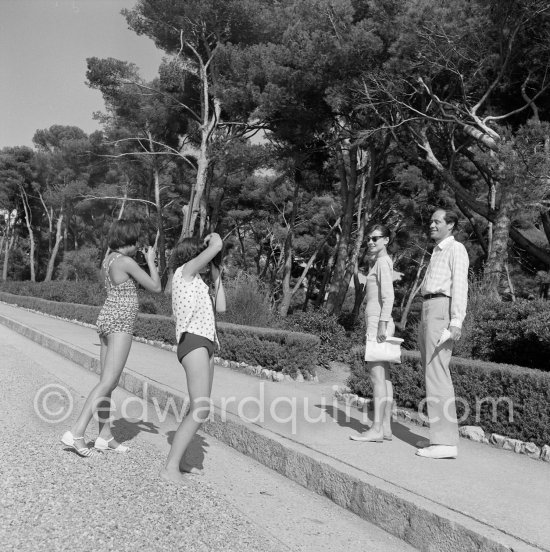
{"x":379,"y":326}
{"x":196,"y":338}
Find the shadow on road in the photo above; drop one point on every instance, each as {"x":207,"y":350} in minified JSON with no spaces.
{"x":125,"y":430}
{"x":196,"y":451}
{"x":344,"y":419}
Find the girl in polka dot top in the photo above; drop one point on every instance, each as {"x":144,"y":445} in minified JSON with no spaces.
{"x":196,"y":338}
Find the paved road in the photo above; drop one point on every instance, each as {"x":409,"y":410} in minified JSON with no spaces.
{"x":52,"y":500}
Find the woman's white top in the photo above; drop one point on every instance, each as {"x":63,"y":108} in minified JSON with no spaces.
{"x":192,"y":307}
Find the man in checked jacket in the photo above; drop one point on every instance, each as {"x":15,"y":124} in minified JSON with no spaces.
{"x":445,"y":293}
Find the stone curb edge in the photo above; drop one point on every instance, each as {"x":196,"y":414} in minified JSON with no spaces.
{"x":420,"y":522}
{"x":473,"y":433}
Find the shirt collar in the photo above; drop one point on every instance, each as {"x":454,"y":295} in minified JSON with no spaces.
{"x":445,"y":243}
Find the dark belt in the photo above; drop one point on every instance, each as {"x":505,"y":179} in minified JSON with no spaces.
{"x":434,"y":296}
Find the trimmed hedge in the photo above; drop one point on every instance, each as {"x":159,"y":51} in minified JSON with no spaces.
{"x":88,"y":293}
{"x":85,"y":293}
{"x":280,"y":350}
{"x":476,"y":382}
{"x":516,"y":333}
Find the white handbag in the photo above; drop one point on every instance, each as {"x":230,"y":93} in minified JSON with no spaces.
{"x":387,"y":351}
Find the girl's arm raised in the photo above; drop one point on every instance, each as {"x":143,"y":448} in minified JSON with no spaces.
{"x":214,"y":245}
{"x":152,"y":282}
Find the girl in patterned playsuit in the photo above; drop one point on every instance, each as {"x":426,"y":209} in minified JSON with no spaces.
{"x":196,"y":338}
{"x":115,"y":326}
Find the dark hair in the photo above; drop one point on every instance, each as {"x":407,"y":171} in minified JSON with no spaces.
{"x":123,"y":233}
{"x":382,"y":228}
{"x":185,"y":250}
{"x":450,"y":217}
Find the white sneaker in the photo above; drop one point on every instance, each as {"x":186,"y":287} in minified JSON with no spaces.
{"x":438,"y":451}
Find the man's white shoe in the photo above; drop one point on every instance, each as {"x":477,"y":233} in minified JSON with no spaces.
{"x":438,"y":451}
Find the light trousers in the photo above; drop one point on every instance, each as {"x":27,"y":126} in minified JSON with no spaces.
{"x":440,"y":393}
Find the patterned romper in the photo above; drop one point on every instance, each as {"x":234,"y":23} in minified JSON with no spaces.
{"x":119,"y":312}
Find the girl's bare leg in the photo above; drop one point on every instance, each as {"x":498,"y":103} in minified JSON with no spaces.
{"x":199,"y":370}
{"x":114,"y":359}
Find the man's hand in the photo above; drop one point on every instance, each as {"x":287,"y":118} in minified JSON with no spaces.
{"x":455,"y":333}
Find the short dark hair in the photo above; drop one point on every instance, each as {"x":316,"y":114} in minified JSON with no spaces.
{"x":382,"y":228}
{"x":451,"y":217}
{"x":123,"y":233}
{"x":185,"y":250}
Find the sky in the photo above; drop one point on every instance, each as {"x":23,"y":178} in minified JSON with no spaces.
{"x":43,"y":49}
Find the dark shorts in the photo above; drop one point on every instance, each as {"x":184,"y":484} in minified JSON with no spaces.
{"x":189,"y":342}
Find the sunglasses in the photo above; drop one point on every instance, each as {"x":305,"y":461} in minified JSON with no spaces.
{"x":374,"y":238}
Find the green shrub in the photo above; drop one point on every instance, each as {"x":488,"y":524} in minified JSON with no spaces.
{"x":334,"y":344}
{"x":287,"y":352}
{"x":248,"y":301}
{"x":80,"y":264}
{"x":476,"y":382}
{"x":283,"y":351}
{"x":84,"y":293}
{"x":515,"y":333}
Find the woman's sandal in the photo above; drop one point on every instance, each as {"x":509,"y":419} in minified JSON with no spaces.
{"x":102,"y":444}
{"x":68,"y":439}
{"x":365,"y":439}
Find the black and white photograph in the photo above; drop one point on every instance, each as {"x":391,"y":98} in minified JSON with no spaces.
{"x":275,"y":275}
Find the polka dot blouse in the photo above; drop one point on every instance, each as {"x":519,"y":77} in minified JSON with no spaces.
{"x":192,"y":307}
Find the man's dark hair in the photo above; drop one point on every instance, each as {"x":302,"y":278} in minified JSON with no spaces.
{"x":450,"y":217}
{"x":123,"y":233}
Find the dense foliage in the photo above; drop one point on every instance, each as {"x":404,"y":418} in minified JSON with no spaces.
{"x":290,"y":126}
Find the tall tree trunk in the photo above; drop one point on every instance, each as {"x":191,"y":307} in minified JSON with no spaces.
{"x":161,"y":242}
{"x":326,"y":277}
{"x":209,"y":123}
{"x":289,"y":254}
{"x":243,"y":250}
{"x":475,"y":226}
{"x":545,"y":219}
{"x":492,"y":205}
{"x":510,"y":283}
{"x":28,"y":222}
{"x":215,"y":203}
{"x":58,"y":239}
{"x":498,"y":254}
{"x":348,"y":183}
{"x":9,"y":243}
{"x":124,"y":198}
{"x":49,"y":216}
{"x":362,"y":220}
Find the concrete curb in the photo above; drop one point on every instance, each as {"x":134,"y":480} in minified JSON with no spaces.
{"x":417,"y":520}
